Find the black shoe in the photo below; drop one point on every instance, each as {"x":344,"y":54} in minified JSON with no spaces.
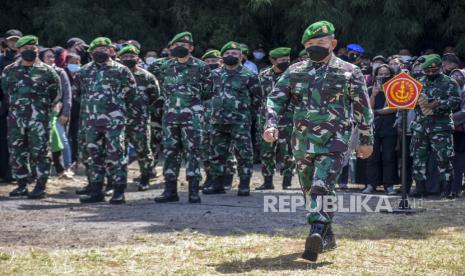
{"x":267,"y":184}
{"x":92,"y":198}
{"x":228,"y":180}
{"x":194,"y":191}
{"x":287,"y":182}
{"x":329,"y":241}
{"x":445,"y":189}
{"x":144,"y":183}
{"x":207,"y":183}
{"x":170,"y":193}
{"x":216,"y":187}
{"x":118,"y":195}
{"x":314,"y":242}
{"x":21,"y":190}
{"x":39,"y":190}
{"x":244,"y":187}
{"x":84,"y":191}
{"x":152,"y":175}
{"x":420,"y":190}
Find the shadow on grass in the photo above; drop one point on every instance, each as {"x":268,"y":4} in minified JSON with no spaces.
{"x":285,"y":262}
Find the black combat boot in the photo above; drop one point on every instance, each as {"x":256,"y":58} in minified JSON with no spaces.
{"x":21,"y":190}
{"x":109,"y":189}
{"x":314,"y":242}
{"x":244,"y":187}
{"x":329,"y":241}
{"x":287,"y":182}
{"x":445,"y":189}
{"x":144,"y":183}
{"x":420,"y":189}
{"x":84,"y":190}
{"x":170,"y":193}
{"x":194,"y":191}
{"x":118,"y":195}
{"x":39,"y":190}
{"x":152,"y":175}
{"x":216,"y":187}
{"x":208,"y":182}
{"x":95,"y":195}
{"x":228,"y":180}
{"x":267,"y":184}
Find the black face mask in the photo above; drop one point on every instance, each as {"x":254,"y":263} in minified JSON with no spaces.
{"x":317,"y":53}
{"x":29,"y":55}
{"x":283,"y":65}
{"x":100,"y":57}
{"x":130,"y":63}
{"x":230,"y":60}
{"x":164,"y":55}
{"x":179,"y":52}
{"x":432,"y":77}
{"x":213,"y":66}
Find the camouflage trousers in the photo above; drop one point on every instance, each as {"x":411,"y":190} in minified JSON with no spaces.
{"x":106,"y":149}
{"x":279,"y":151}
{"x":207,"y":154}
{"x":442,"y":146}
{"x":139,"y":137}
{"x":29,"y":148}
{"x":181,"y":139}
{"x":156,"y":139}
{"x":224,"y":138}
{"x":318,"y":175}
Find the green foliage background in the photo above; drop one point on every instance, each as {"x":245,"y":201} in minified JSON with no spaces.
{"x":379,"y":26}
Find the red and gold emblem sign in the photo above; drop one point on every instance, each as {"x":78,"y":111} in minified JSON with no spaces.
{"x":402,"y":91}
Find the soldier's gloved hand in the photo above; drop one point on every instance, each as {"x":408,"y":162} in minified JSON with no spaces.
{"x":364,"y":151}
{"x":270,"y":135}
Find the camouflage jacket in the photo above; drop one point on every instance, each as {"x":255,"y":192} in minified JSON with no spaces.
{"x":268,"y":78}
{"x":237,"y":95}
{"x":142,"y":104}
{"x":184,"y":88}
{"x":322,"y":97}
{"x":446,"y":92}
{"x":31,"y":92}
{"x":104,"y":92}
{"x":155,"y":69}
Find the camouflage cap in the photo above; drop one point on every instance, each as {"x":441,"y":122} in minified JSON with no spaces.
{"x":182,"y":37}
{"x":98,"y":42}
{"x":27,"y":40}
{"x":129,"y":49}
{"x":211,"y":54}
{"x":318,"y":29}
{"x":430,"y":61}
{"x":280,"y":52}
{"x":231,"y":45}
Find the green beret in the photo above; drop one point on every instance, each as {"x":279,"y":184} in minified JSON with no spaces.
{"x":303,"y":53}
{"x":182,"y":37}
{"x":211,"y":54}
{"x":98,"y":42}
{"x":245,"y":49}
{"x":318,"y":29}
{"x":280,"y":52}
{"x":27,"y":40}
{"x":231,"y":45}
{"x":129,"y":49}
{"x":430,"y":61}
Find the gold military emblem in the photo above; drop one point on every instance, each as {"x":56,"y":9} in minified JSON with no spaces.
{"x":324,"y":29}
{"x":234,"y":45}
{"x":186,"y":37}
{"x":433,"y":65}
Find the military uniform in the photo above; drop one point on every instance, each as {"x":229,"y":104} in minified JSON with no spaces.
{"x":236,"y":98}
{"x":184,"y":88}
{"x":322,"y":95}
{"x":281,"y":149}
{"x":105,"y":91}
{"x":31,"y":92}
{"x":432,"y":129}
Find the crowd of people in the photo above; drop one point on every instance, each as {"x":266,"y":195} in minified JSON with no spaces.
{"x":107,"y":104}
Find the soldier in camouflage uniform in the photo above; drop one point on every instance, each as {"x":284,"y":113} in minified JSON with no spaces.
{"x":104,"y":88}
{"x":185,"y":83}
{"x":281,"y":149}
{"x":31,"y":89}
{"x":433,"y":126}
{"x":138,"y":113}
{"x":322,"y":90}
{"x":236,"y":95}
